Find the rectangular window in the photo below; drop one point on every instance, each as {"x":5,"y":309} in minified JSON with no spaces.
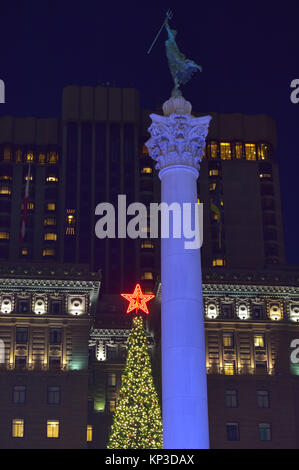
{"x":111,"y":379}
{"x":231,"y":399}
{"x":21,"y":362}
{"x":229,"y":368}
{"x":53,"y":395}
{"x":250,"y":152}
{"x":218,"y":261}
{"x":228,"y":340}
{"x":19,"y":394}
{"x":213,"y":150}
{"x":263,"y":151}
{"x":232,"y":432}
{"x":257,"y":312}
{"x":23,"y":306}
{"x":52,"y":429}
{"x":265,"y":432}
{"x":111,"y":353}
{"x":51,"y":206}
{"x":239,"y":150}
{"x":54,"y":363}
{"x":17,"y":428}
{"x":225,"y":151}
{"x":259,"y":341}
{"x":89,"y":433}
{"x":55,"y":335}
{"x":56,"y":307}
{"x":262,"y":398}
{"x":21,"y":335}
{"x":112,"y":405}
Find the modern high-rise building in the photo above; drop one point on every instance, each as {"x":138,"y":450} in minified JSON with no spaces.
{"x":95,"y":151}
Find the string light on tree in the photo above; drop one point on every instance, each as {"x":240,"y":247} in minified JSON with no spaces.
{"x":137,"y":422}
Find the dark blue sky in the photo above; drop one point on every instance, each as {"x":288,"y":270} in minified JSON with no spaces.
{"x":248,"y":51}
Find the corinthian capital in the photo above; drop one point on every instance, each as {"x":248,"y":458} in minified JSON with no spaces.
{"x":178,"y":138}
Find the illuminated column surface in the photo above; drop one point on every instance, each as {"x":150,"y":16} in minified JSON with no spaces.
{"x":176,"y":144}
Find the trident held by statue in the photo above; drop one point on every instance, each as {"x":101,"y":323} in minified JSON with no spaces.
{"x":180,"y":68}
{"x":169,"y":15}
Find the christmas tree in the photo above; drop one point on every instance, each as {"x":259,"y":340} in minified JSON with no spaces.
{"x":137,"y":422}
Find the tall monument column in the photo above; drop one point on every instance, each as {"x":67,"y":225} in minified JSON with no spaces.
{"x":176,"y":144}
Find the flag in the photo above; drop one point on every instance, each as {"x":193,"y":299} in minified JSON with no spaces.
{"x":215,"y":206}
{"x":25,"y":202}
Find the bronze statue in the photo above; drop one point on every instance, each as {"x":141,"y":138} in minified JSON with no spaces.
{"x":181,"y":68}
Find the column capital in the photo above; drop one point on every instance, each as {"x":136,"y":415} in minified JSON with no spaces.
{"x":177,"y":138}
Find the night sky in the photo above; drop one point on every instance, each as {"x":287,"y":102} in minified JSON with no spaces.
{"x":248,"y":51}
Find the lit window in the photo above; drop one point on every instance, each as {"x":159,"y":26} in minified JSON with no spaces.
{"x":219,"y":262}
{"x":24,"y":251}
{"x":51,"y":206}
{"x":225,"y":151}
{"x":265,"y":431}
{"x":262,"y":398}
{"x":198,"y":200}
{"x":229,"y":368}
{"x":5,"y":178}
{"x":112,"y":405}
{"x":52,"y":179}
{"x":228,"y":340}
{"x":53,"y":395}
{"x":231,"y":399}
{"x":50,"y":221}
{"x":147,"y":276}
{"x":147,"y":244}
{"x":30,"y":206}
{"x":239,"y":150}
{"x":146,"y":170}
{"x":7,"y":154}
{"x":5,"y":190}
{"x":52,"y":157}
{"x":213,"y":149}
{"x":263,"y":151}
{"x":89,"y":433}
{"x":250,"y":152}
{"x":232,"y":432}
{"x":17,"y":428}
{"x":53,"y":429}
{"x":70,"y":218}
{"x":4,"y":235}
{"x":19,"y":394}
{"x":50,"y":236}
{"x":214,"y":172}
{"x":112,"y":379}
{"x":144,"y":150}
{"x":265,"y":176}
{"x":70,"y":231}
{"x":49,"y":252}
{"x":29,"y":157}
{"x":42,"y":158}
{"x":259,"y":341}
{"x":18,"y":156}
{"x":212,"y":186}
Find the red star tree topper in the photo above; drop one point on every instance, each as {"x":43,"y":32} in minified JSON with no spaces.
{"x":138,"y":300}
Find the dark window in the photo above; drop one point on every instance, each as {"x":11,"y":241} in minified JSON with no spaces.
{"x":226,"y":310}
{"x":56,"y":307}
{"x":90,"y":405}
{"x":21,"y":362}
{"x":24,"y":306}
{"x":19,"y":394}
{"x":232,"y":431}
{"x":263,"y":399}
{"x":55,"y":335}
{"x":257,"y":312}
{"x":111,"y":353}
{"x":231,"y":400}
{"x":53,"y":395}
{"x":265,"y":432}
{"x":54,"y":363}
{"x":21,"y":335}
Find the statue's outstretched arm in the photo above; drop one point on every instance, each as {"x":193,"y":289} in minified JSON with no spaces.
{"x":170,"y":34}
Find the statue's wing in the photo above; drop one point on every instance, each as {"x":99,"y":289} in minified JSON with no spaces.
{"x":185,"y":73}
